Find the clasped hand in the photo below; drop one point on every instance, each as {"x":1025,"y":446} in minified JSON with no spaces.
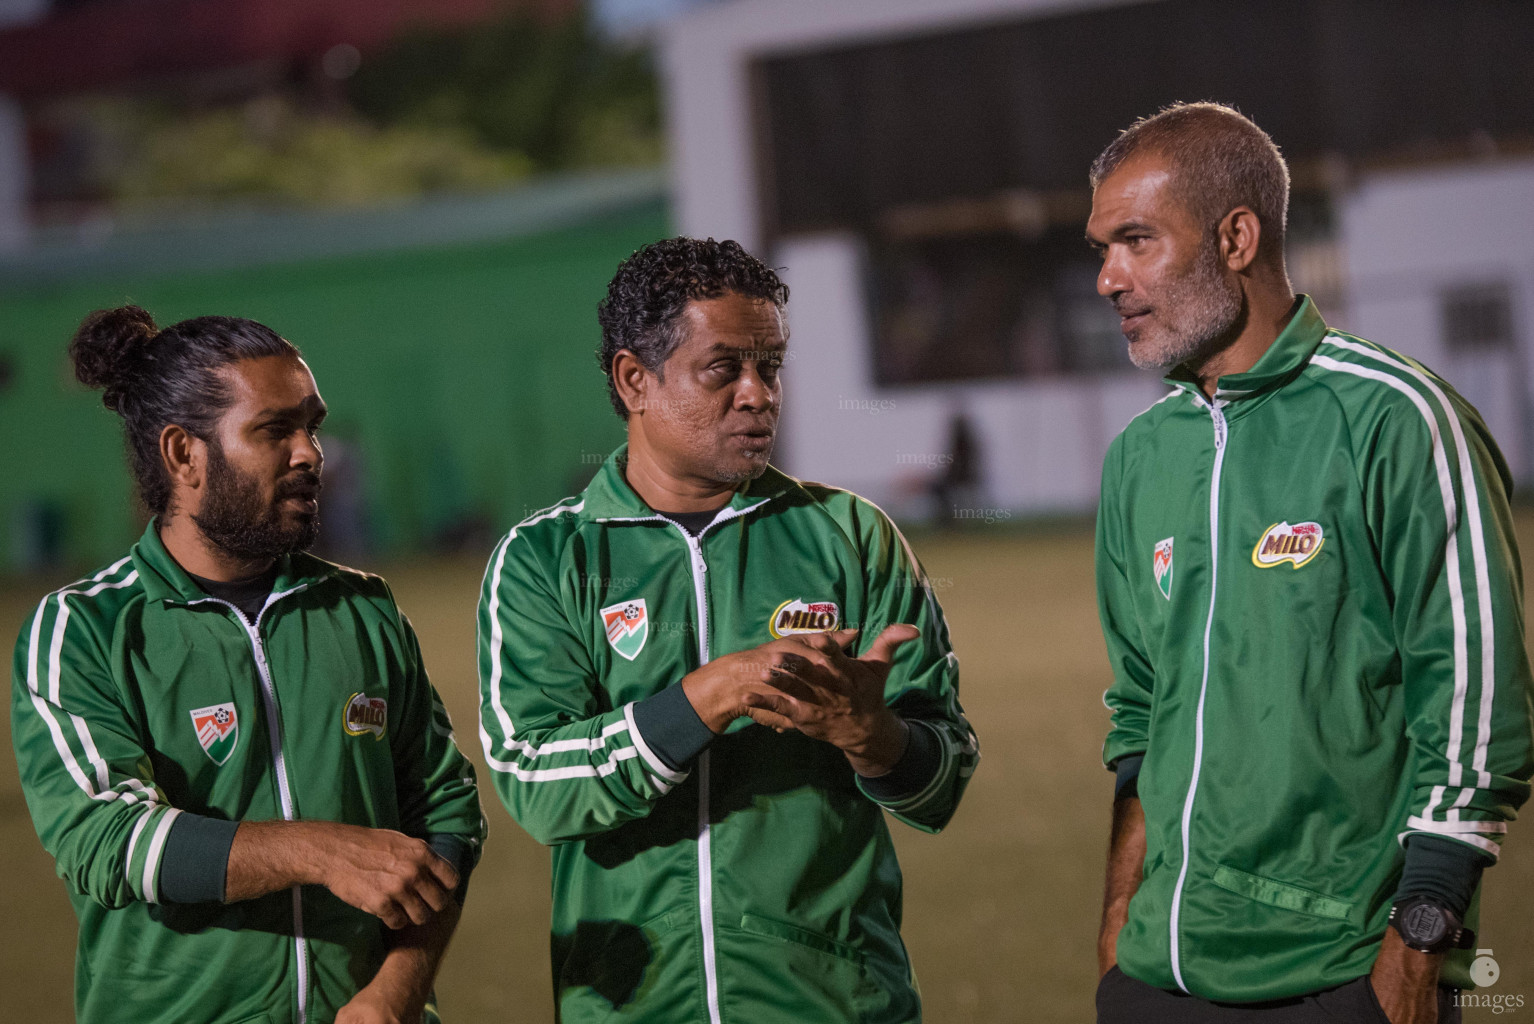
{"x":809,"y":683}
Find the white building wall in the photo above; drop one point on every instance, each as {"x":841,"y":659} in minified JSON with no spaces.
{"x":1408,"y":237}
{"x":1041,"y":442}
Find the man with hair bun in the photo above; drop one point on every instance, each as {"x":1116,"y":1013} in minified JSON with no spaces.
{"x":230,"y":747}
{"x":673,"y":699}
{"x":1310,"y":590}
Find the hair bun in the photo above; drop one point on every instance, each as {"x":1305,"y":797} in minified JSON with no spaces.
{"x":109,"y":343}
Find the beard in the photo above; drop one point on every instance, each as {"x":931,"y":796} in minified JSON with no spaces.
{"x":1194,"y":316}
{"x":237,"y":518}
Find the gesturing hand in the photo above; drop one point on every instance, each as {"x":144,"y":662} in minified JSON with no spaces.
{"x":827,"y":695}
{"x":719,"y":691}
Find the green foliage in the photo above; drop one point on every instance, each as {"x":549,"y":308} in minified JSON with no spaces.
{"x":272,"y":149}
{"x":556,"y":91}
{"x":469,"y":108}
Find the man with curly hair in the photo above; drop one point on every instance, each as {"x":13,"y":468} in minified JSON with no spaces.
{"x":673,"y":699}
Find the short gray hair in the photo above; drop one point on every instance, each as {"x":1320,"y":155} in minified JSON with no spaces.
{"x":1219,"y":159}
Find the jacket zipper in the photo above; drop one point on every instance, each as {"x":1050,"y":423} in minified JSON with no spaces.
{"x":1218,"y":419}
{"x":284,"y":791}
{"x":705,"y":846}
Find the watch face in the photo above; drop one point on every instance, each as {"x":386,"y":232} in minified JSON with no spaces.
{"x":1424,"y":924}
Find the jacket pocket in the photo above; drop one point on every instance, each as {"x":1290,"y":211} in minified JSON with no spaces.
{"x":1281,"y":894}
{"x":802,"y":936}
{"x":775,"y":972}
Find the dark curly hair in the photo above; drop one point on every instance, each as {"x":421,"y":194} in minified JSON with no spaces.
{"x":646,"y":297}
{"x":153,"y":378}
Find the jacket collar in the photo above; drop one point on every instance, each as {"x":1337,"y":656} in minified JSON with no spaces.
{"x":1288,"y":354}
{"x":163,"y":578}
{"x":609,"y":497}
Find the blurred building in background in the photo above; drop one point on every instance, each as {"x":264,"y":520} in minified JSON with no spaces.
{"x":919,"y":168}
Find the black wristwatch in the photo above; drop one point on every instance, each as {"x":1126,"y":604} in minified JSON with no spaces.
{"x":1428,"y":926}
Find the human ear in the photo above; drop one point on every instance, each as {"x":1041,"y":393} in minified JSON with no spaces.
{"x":632,"y":380}
{"x":1240,"y":236}
{"x":184,"y":456}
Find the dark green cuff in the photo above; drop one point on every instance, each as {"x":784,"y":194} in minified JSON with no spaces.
{"x":917,"y":767}
{"x":1444,"y":868}
{"x":1126,"y":776}
{"x":671,"y":728}
{"x":457,"y":851}
{"x":195,"y":862}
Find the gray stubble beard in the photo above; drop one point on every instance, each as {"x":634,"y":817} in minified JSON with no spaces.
{"x":1197,"y":311}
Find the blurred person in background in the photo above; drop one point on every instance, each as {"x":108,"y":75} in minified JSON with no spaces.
{"x":708,"y":867}
{"x":231,"y":747}
{"x":1310,"y":591}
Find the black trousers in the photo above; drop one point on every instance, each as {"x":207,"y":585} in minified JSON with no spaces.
{"x":1123,"y":1000}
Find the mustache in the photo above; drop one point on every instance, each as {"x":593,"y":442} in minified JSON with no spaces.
{"x":304,"y":484}
{"x":1124,"y":309}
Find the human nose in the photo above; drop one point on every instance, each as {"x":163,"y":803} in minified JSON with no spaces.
{"x":306,"y":453}
{"x":753,"y":392}
{"x":1112,"y":278}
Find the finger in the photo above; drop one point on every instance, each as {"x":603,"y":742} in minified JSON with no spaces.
{"x":771,"y":719}
{"x":392,"y":916}
{"x":830,"y":646}
{"x":414,"y":907}
{"x":444,"y":872}
{"x":793,"y":685}
{"x":883,"y":649}
{"x":844,"y":637}
{"x":433,"y":893}
{"x":806,"y":645}
{"x":806,"y":663}
{"x":780,"y":705}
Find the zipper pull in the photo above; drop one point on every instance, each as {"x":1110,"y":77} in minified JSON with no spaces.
{"x":1219,"y":429}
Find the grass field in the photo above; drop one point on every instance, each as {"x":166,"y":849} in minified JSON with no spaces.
{"x":1001,"y":910}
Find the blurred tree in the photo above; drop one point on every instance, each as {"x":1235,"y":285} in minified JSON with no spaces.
{"x":272,"y":148}
{"x":439,"y":110}
{"x":557,"y":91}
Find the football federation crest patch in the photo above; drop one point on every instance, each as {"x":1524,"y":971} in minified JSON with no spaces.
{"x":1295,"y":544}
{"x":1161,"y":565}
{"x":364,"y":715}
{"x":628,"y":626}
{"x":796,"y":616}
{"x":218,"y":730}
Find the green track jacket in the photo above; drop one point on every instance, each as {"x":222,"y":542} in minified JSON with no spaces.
{"x":761,"y":886}
{"x":1313,"y":607}
{"x":137,"y":697}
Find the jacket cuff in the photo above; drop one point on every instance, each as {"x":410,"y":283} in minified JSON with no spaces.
{"x":1126,"y":776}
{"x":195,"y":863}
{"x":1442,"y":867}
{"x":457,"y":851}
{"x":672,"y":730}
{"x":915,"y":770}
